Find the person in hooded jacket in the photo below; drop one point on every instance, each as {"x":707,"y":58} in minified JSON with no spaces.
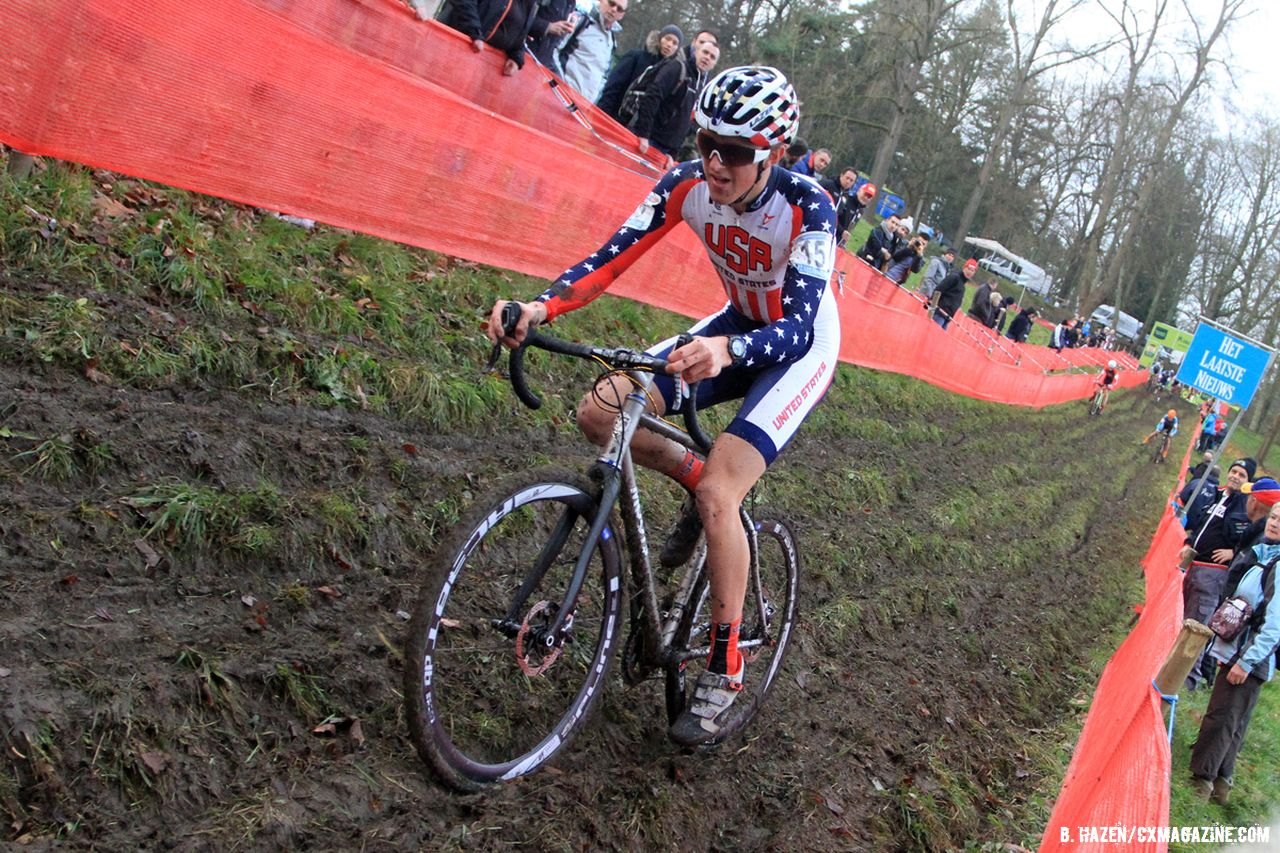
{"x":658,"y":45}
{"x":664,"y":116}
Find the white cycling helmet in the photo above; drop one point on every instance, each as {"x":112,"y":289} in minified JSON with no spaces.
{"x":1112,"y":364}
{"x":755,"y":103}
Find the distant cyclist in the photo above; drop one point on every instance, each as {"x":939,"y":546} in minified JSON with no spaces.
{"x":1105,"y":381}
{"x":1168,"y":425}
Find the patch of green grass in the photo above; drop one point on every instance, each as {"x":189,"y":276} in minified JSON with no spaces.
{"x":303,"y":691}
{"x":191,"y":514}
{"x":1257,"y":774}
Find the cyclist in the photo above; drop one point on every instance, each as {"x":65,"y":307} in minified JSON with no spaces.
{"x":770,"y":236}
{"x":1167,"y":425}
{"x":1106,"y":381}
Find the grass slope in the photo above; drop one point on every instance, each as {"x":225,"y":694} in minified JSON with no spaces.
{"x":229,"y":446}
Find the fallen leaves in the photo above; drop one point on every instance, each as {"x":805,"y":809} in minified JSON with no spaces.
{"x":336,"y":726}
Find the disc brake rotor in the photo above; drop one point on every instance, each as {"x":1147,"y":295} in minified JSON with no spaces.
{"x":527,"y":666}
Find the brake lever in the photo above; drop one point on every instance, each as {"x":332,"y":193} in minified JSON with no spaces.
{"x":510,"y":319}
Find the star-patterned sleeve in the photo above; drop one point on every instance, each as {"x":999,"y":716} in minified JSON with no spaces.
{"x":656,"y":215}
{"x":809,"y":266}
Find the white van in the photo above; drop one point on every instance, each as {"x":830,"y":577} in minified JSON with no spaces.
{"x":1127,"y":325}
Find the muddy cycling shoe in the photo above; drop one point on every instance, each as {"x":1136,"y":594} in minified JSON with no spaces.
{"x":713,"y":696}
{"x":683,"y":538}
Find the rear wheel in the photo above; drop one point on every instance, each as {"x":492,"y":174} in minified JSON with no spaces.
{"x":768,"y":619}
{"x":490,"y":693}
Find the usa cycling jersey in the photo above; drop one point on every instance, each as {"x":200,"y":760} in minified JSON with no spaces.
{"x":774,"y":259}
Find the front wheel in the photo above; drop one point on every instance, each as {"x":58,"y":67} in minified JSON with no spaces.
{"x":490,"y":692}
{"x":768,"y":619}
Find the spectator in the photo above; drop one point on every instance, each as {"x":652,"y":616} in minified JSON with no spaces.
{"x":1195,"y":503}
{"x":1260,"y":496}
{"x":554,"y":20}
{"x":1197,"y":471}
{"x":900,"y":237}
{"x":584,"y":57}
{"x":981,"y":308}
{"x":907,"y":260}
{"x":1007,"y":306}
{"x":938,"y":268}
{"x":1219,"y":432}
{"x":1211,"y":544}
{"x":658,"y":45}
{"x":876,"y":251}
{"x":813,"y":163}
{"x":702,"y":37}
{"x":1073,"y":333}
{"x":795,"y":151}
{"x":1208,"y":427}
{"x":949,"y":295}
{"x":663,"y":115}
{"x":862,"y":198}
{"x":849,"y":203}
{"x":1061,"y":338}
{"x":506,"y":24}
{"x":996,"y":299}
{"x":1020,"y":326}
{"x":1246,"y":663}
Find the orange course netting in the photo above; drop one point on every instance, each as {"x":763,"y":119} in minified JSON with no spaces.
{"x":1119,"y":774}
{"x":354,"y":113}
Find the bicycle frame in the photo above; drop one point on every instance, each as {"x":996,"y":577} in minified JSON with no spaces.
{"x":615,"y":470}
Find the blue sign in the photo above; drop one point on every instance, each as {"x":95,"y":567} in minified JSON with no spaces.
{"x":1223,"y":367}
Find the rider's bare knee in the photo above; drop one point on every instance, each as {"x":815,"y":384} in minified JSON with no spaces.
{"x":596,"y":423}
{"x":715,"y":500}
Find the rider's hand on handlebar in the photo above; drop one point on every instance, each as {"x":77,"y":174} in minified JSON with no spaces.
{"x":701,"y":358}
{"x":531,"y":314}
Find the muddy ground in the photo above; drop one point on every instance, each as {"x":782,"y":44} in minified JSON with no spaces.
{"x":229,"y":679}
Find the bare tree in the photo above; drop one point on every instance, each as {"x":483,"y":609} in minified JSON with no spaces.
{"x":1030,"y":61}
{"x":1203,"y":55}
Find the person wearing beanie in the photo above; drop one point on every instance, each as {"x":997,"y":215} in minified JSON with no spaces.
{"x":1206,"y":552}
{"x":658,"y":45}
{"x":1249,"y":466}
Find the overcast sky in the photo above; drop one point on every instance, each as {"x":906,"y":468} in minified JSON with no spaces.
{"x":1251,"y":51}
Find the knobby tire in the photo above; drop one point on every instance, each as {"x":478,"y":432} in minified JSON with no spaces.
{"x":476,"y":716}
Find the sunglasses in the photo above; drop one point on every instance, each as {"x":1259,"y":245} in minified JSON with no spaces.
{"x":730,"y":155}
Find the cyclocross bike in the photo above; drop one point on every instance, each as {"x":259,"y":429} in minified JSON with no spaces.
{"x":521,"y":615}
{"x":1099,"y":401}
{"x":1162,"y":448}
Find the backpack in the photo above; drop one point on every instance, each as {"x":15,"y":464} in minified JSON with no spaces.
{"x":638,"y":89}
{"x":1254,"y":620}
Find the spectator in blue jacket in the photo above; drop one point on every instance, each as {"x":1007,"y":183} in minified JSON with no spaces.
{"x":813,"y":163}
